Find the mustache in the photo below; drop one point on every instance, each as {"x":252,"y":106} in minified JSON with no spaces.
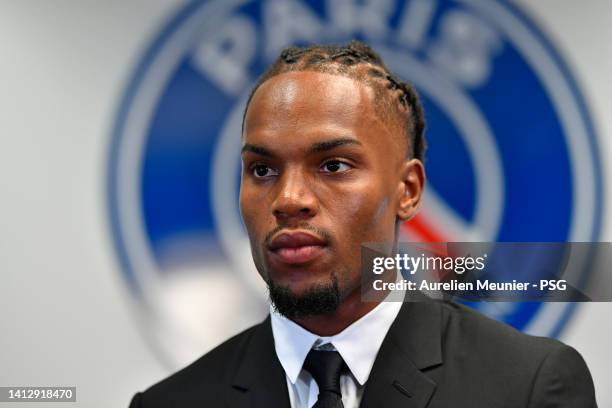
{"x":327,"y":237}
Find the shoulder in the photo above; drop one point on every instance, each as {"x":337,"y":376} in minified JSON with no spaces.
{"x":200,"y":381}
{"x":545,"y":369}
{"x":472,"y":329}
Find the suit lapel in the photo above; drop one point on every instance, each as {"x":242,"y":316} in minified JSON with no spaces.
{"x":412,"y":344}
{"x":260,"y":380}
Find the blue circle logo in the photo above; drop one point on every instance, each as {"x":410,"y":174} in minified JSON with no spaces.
{"x":512,"y":151}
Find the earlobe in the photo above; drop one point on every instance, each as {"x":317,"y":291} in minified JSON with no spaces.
{"x":410,"y":189}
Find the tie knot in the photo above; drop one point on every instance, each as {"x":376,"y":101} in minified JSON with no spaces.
{"x":325,"y":367}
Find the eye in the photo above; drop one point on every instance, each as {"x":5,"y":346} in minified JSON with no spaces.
{"x":263,"y":170}
{"x":335,"y":166}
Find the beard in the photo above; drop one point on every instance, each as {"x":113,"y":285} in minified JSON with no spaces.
{"x":318,"y":300}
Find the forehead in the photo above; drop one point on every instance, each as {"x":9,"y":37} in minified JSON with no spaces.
{"x":297,"y":102}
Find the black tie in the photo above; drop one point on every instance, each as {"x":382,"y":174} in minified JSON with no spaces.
{"x":325,"y":367}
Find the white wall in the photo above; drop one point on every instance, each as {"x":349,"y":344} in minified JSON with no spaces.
{"x":65,"y":317}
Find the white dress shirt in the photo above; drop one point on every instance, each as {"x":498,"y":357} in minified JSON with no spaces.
{"x":358,"y":345}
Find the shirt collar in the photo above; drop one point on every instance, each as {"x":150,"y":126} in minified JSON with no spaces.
{"x":358,"y":344}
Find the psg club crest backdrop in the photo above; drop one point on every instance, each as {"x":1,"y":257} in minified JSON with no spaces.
{"x":512,"y":152}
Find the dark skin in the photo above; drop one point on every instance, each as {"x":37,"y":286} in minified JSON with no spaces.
{"x":317,"y":158}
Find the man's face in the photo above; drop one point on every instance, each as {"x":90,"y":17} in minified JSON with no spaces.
{"x":321,"y":175}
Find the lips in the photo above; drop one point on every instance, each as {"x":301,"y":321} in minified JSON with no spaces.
{"x":296,"y":247}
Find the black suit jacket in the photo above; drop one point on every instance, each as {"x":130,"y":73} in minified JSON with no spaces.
{"x":436,"y":355}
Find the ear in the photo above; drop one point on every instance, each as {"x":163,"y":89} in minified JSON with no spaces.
{"x":410,"y":189}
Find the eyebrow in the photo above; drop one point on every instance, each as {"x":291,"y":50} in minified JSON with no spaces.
{"x":315,"y":148}
{"x":332,"y":144}
{"x":262,"y":151}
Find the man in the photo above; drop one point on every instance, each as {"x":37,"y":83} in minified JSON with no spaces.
{"x":332,"y":158}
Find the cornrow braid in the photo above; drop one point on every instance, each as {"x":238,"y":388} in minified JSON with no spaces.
{"x":357,"y":60}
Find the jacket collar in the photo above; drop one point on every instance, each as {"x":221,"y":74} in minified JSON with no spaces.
{"x":413,"y":344}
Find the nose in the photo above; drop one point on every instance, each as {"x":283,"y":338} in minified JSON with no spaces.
{"x":294,"y":199}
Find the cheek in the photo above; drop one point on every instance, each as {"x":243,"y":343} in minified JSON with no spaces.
{"x":358,"y":217}
{"x":249,"y":198}
{"x":256,"y":216}
{"x":244,"y":207}
{"x":249,"y":210}
{"x":365,"y":215}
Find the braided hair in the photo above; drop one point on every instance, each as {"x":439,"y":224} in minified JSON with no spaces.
{"x":358,"y":61}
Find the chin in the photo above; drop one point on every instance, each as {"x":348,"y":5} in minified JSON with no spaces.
{"x":301,"y":283}
{"x":298,"y":299}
